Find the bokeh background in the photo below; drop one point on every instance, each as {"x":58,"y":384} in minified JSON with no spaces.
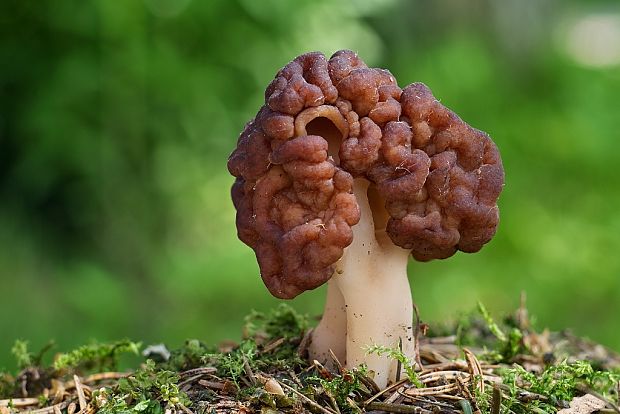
{"x":117,"y":118}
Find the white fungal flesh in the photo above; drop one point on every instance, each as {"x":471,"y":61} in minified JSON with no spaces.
{"x":368,"y":301}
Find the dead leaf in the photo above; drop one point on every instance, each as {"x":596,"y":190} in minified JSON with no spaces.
{"x":587,"y":404}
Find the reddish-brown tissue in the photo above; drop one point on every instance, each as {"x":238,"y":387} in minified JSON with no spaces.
{"x":326,"y":122}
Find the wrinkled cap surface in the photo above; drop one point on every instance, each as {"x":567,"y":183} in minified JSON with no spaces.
{"x":439,"y":177}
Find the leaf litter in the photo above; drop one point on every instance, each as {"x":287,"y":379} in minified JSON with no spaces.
{"x":475,"y":365}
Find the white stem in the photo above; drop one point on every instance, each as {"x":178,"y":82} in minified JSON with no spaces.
{"x":368,"y":297}
{"x":331,"y":332}
{"x":372,"y":277}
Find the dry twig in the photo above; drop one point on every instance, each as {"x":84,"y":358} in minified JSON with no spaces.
{"x":80,"y":392}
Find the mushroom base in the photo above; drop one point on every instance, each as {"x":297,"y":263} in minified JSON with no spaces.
{"x":368,"y":300}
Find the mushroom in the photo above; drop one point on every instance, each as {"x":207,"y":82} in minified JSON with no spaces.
{"x":340,"y":177}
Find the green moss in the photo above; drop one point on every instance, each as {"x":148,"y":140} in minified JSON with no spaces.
{"x":281,"y":322}
{"x":148,"y":390}
{"x":96,"y":356}
{"x":557,"y":384}
{"x":509,"y":338}
{"x":22,"y":355}
{"x":398,"y":355}
{"x":8,"y":386}
{"x":344,"y":388}
{"x":270,"y":348}
{"x":232,"y":365}
{"x":189,"y":356}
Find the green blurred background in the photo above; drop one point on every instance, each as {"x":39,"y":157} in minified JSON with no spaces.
{"x":117,"y":117}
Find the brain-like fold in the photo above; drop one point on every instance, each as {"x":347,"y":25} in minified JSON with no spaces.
{"x":439,"y":178}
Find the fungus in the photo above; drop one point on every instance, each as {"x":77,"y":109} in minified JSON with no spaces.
{"x":340,"y":177}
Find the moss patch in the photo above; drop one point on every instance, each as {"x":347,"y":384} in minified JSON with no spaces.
{"x":474,"y":365}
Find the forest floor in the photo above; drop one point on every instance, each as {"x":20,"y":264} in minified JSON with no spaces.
{"x":475,"y":365}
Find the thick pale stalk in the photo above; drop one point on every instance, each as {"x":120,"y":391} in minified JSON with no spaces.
{"x":331,"y":332}
{"x":372,"y":279}
{"x":368,"y":297}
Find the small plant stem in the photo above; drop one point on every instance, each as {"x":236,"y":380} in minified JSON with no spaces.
{"x":386,"y":390}
{"x":185,"y":409}
{"x":333,"y":401}
{"x":80,"y":392}
{"x":496,"y":403}
{"x":399,"y":364}
{"x":19,"y":402}
{"x":466,"y":406}
{"x":395,"y":408}
{"x":307,"y":400}
{"x":104,"y":376}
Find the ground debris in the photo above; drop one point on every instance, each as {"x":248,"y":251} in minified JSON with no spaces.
{"x":586,"y":404}
{"x":477,"y":365}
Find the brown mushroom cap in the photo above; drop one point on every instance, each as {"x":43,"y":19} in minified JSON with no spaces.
{"x":439,"y":177}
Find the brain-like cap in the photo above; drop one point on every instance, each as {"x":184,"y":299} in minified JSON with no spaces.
{"x":439,"y":177}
